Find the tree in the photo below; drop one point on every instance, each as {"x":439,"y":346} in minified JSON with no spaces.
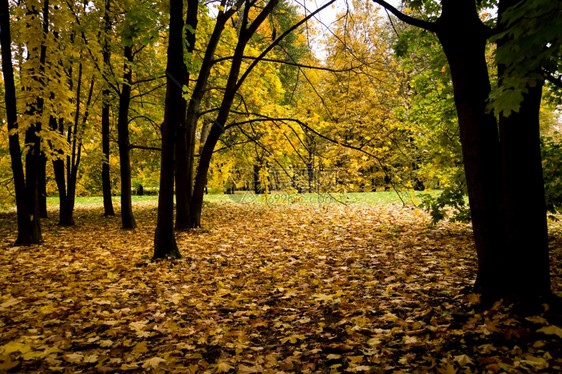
{"x":174,"y":117}
{"x":236,"y":78}
{"x":506,"y":268}
{"x":105,"y":120}
{"x":26,"y":231}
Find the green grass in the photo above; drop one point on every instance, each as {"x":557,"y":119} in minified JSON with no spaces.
{"x":362,"y":198}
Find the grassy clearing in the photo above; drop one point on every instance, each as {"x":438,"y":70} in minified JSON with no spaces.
{"x":360,"y":198}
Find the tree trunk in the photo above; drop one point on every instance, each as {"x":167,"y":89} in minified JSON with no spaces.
{"x":105,"y":172}
{"x":201,"y":177}
{"x":65,"y":206}
{"x":463,"y":37}
{"x":526,"y":229}
{"x":174,"y":116}
{"x":127,"y":218}
{"x":247,"y":30}
{"x":184,"y":143}
{"x":43,"y":186}
{"x":186,"y":161}
{"x":523,"y":192}
{"x":26,"y":234}
{"x":32,"y":166}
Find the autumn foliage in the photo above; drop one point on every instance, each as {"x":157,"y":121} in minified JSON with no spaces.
{"x":263,"y":288}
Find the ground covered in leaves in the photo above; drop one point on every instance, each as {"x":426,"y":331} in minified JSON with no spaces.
{"x":262,"y":289}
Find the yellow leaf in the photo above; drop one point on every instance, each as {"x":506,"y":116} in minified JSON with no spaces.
{"x":322,"y":297}
{"x":551,"y":330}
{"x":75,"y":358}
{"x":105,"y":343}
{"x":243,"y":369}
{"x":153,"y":363}
{"x":15,"y":346}
{"x":537,"y":319}
{"x":10,"y":302}
{"x":410,"y":339}
{"x":8,"y":364}
{"x":223,"y":367}
{"x":292,"y":339}
{"x":463,"y":360}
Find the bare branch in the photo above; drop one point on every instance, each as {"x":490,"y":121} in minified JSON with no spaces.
{"x":430,"y":26}
{"x":289,"y":63}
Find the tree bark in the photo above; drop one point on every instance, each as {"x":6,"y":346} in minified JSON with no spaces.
{"x":184,"y":144}
{"x":526,"y":230}
{"x":232,"y":85}
{"x":127,"y":217}
{"x":463,"y":37}
{"x":105,"y":169}
{"x":165,"y":245}
{"x":43,"y":186}
{"x":26,"y":235}
{"x":186,"y":159}
{"x":504,"y":173}
{"x":525,"y":210}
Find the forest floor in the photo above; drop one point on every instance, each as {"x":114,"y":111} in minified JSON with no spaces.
{"x":276,"y":288}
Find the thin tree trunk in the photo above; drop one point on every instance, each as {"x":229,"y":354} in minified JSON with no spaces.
{"x":43,"y":186}
{"x":185,"y":164}
{"x":32,"y":166}
{"x":127,"y":218}
{"x":33,"y":141}
{"x":105,"y":170}
{"x":232,"y":85}
{"x":25,"y":229}
{"x":164,"y":238}
{"x":184,"y":144}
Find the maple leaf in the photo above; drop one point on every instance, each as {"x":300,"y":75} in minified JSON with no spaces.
{"x":463,"y":360}
{"x":153,"y":363}
{"x":74,"y":357}
{"x":8,"y":303}
{"x":15,"y":346}
{"x":223,"y":366}
{"x":551,"y":330}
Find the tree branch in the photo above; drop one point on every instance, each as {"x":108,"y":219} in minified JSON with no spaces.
{"x":430,"y":26}
{"x":277,"y":41}
{"x":290,"y":64}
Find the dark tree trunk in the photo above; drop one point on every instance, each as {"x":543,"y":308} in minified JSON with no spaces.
{"x":32,"y":166}
{"x":33,"y":141}
{"x":184,"y":143}
{"x":526,"y":229}
{"x":525,"y":210}
{"x":202,"y":172}
{"x":463,"y":37}
{"x":43,"y":186}
{"x":65,"y":206}
{"x":256,"y":174}
{"x":247,"y":30}
{"x":165,"y":245}
{"x":60,"y":179}
{"x":127,"y":218}
{"x":105,"y":172}
{"x":26,"y":234}
{"x":185,"y":164}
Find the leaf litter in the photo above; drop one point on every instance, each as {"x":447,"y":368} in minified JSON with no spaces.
{"x":284,"y":288}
